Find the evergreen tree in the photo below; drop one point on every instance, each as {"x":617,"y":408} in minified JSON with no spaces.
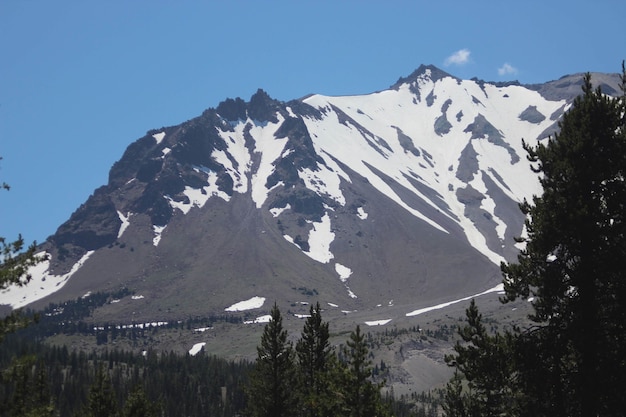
{"x":361,"y":396}
{"x":457,"y":403}
{"x":138,"y":405}
{"x":573,"y":360}
{"x":101,"y":401}
{"x":271,"y":388}
{"x":486,"y":362}
{"x":314,"y":355}
{"x":30,"y":391}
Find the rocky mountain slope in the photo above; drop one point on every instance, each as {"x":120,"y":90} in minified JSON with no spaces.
{"x":375,"y":205}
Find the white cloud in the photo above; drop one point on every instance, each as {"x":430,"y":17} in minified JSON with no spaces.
{"x":507,"y":69}
{"x":460,"y":57}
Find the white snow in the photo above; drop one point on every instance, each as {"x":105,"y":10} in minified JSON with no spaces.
{"x":252,"y":303}
{"x":261,"y":319}
{"x":323,"y":181}
{"x":277,"y":211}
{"x":343,"y":271}
{"x":498,"y":288}
{"x":240,"y":180}
{"x":159,"y":137}
{"x":384,"y":114}
{"x":158,"y":230}
{"x":41,"y":285}
{"x":332,"y":305}
{"x":202,"y":329}
{"x":142,"y":325}
{"x":270,"y":149}
{"x":199,"y":196}
{"x":320,"y":239}
{"x":137,"y":297}
{"x":361,"y":213}
{"x":196,"y":348}
{"x":378,"y":322}
{"x":125,"y":223}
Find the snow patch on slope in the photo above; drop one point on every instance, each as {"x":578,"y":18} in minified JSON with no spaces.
{"x":277,"y":211}
{"x":378,"y":322}
{"x":158,"y":230}
{"x":125,"y":223}
{"x":252,"y":303}
{"x":320,"y":239}
{"x":41,"y":285}
{"x":159,"y":137}
{"x":197,"y":348}
{"x":343,"y":271}
{"x":323,"y":181}
{"x":498,"y":288}
{"x":261,"y":319}
{"x":270,"y":149}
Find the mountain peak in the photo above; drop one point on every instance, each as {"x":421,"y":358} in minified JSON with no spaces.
{"x":428,"y":71}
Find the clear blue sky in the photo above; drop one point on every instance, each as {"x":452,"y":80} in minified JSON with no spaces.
{"x":81,"y":80}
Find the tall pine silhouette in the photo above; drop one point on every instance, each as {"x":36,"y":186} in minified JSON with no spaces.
{"x":271,"y":389}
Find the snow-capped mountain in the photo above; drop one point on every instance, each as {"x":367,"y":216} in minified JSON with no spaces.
{"x":406,"y":197}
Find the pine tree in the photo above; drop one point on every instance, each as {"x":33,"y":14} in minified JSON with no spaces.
{"x":574,"y":263}
{"x":31,"y":395}
{"x":101,"y":401}
{"x":486,"y":362}
{"x":271,"y":388}
{"x":138,"y":405}
{"x":457,"y":403}
{"x":361,"y":396}
{"x":314,"y":355}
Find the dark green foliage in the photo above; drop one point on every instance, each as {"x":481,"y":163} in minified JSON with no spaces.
{"x":101,"y":401}
{"x":325,"y":385}
{"x":485,"y":362}
{"x":456,"y":403}
{"x":314,"y":356}
{"x":362,"y":397}
{"x":575,"y":259}
{"x":138,"y":405}
{"x":176,"y":385}
{"x":27,"y":381}
{"x":572,"y":360}
{"x":271,"y":388}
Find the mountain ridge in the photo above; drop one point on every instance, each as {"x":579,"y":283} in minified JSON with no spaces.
{"x":405,"y":196}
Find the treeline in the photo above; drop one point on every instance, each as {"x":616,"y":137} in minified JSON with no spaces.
{"x":42,"y":380}
{"x":310,"y":378}
{"x":73,"y":318}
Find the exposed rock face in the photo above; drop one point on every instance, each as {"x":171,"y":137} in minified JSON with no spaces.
{"x":408,"y":194}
